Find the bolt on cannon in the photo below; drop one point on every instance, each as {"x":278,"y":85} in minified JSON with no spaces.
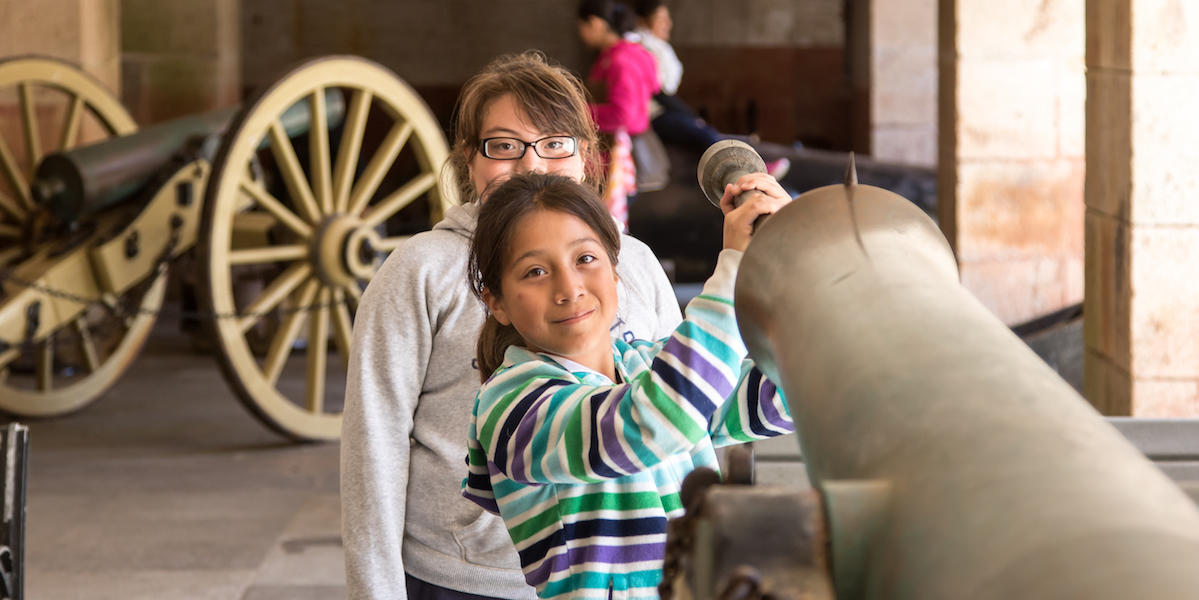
{"x":289,"y":204}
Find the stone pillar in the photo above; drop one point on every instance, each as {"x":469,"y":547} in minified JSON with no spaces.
{"x":1142,"y":218}
{"x":83,"y":32}
{"x":893,"y":71}
{"x":1010,"y":128}
{"x":180,"y":58}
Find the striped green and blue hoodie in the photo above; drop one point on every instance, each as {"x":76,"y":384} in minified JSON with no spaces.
{"x":585,"y":473}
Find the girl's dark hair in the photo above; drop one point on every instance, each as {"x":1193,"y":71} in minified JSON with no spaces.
{"x":645,"y":8}
{"x":499,"y":216}
{"x":553,"y":99}
{"x":615,"y":14}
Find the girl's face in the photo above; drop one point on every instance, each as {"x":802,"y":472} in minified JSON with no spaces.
{"x":558,"y":289}
{"x":659,"y":23}
{"x":593,"y":31}
{"x":504,"y":118}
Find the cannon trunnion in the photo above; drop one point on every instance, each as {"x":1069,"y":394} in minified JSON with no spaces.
{"x":287,"y":205}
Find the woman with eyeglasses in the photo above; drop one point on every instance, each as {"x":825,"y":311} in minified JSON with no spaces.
{"x":407,"y":531}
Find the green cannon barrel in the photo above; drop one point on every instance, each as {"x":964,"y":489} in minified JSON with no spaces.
{"x":89,"y":179}
{"x":953,"y":462}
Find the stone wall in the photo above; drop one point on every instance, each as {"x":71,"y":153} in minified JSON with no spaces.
{"x":783,"y":55}
{"x":180,"y":58}
{"x":1011,"y":109}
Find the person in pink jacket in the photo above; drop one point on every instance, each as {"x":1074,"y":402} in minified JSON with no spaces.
{"x":624,"y":69}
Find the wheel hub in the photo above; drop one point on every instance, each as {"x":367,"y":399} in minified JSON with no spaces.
{"x":345,"y":251}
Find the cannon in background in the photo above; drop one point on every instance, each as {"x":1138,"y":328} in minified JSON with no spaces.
{"x":292,"y":202}
{"x":947,"y":460}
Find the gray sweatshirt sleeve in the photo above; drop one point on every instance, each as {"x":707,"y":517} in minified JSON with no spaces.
{"x":382,"y":388}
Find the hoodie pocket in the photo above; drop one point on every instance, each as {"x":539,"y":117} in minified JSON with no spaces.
{"x":485,"y":541}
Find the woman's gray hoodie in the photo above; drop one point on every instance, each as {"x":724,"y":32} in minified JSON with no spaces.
{"x":409,"y":393}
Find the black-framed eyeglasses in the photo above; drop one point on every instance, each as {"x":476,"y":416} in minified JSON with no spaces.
{"x":507,"y":148}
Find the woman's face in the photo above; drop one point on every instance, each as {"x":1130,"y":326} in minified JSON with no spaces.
{"x":504,"y":118}
{"x":659,"y":22}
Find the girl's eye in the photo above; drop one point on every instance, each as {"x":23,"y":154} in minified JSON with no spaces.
{"x":535,"y":272}
{"x":587,"y":259}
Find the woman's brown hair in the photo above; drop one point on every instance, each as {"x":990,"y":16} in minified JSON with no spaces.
{"x":553,"y":99}
{"x":505,"y":208}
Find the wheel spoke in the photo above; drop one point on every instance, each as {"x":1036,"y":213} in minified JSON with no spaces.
{"x":343,"y":327}
{"x":70,"y":128}
{"x":318,"y":352}
{"x":11,"y":207}
{"x":399,"y":199}
{"x":391,"y":243}
{"x":286,"y":336}
{"x":355,"y":295}
{"x":8,"y":254}
{"x":273,"y":206}
{"x":378,"y":167}
{"x":280,"y":288}
{"x":45,"y":364}
{"x":293,"y":175}
{"x":268,"y":254}
{"x":29,"y":119}
{"x":14,"y":176}
{"x":318,"y":148}
{"x":351,"y":146}
{"x":7,"y":357}
{"x":86,"y":345}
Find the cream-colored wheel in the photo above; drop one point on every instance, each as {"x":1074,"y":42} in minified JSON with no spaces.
{"x":76,"y":364}
{"x":332,"y":203}
{"x":59,"y":108}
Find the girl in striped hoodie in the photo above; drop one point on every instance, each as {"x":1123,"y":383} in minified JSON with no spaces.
{"x":579,"y":442}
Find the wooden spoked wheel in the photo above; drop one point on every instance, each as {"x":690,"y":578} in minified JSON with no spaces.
{"x":47,"y":106}
{"x":76,"y":364}
{"x":287,"y":258}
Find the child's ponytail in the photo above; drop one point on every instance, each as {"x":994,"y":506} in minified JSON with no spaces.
{"x":494,"y":340}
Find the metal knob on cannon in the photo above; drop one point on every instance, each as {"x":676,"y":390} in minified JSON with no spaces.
{"x":289,"y":202}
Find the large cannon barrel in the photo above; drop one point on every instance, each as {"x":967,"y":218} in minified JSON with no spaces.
{"x":88,"y":179}
{"x":954,"y":463}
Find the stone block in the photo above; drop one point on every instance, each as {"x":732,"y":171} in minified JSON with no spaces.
{"x":1164,"y":154}
{"x":1006,"y":109}
{"x":1072,"y":111}
{"x":1165,"y":36}
{"x":198,"y":28}
{"x":903,"y":85}
{"x":1020,"y":29}
{"x":908,"y":23}
{"x":1108,"y":307}
{"x":1164,"y":319}
{"x":1159,"y":398}
{"x":913,"y":145}
{"x":1109,"y":34}
{"x":158,"y":88}
{"x":100,"y":38}
{"x":1106,"y":385}
{"x":1109,"y":143}
{"x":49,"y":28}
{"x":1019,"y":210}
{"x":1016,"y":291}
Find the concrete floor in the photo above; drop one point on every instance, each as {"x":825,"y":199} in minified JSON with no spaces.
{"x":167,"y":488}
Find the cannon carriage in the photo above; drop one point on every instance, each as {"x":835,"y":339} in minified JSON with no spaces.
{"x":287,"y":206}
